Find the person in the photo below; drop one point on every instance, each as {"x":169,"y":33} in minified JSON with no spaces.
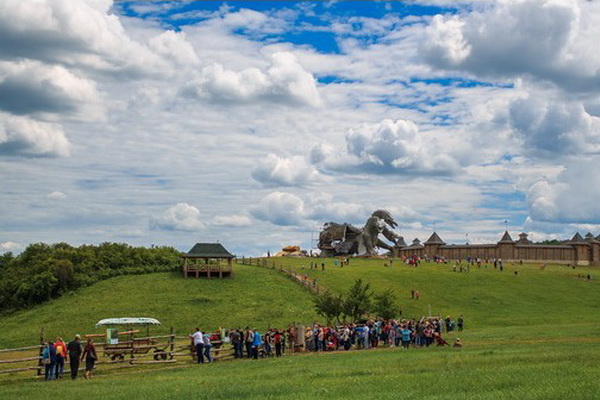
{"x":278,"y":339}
{"x":198,"y":340}
{"x":406,"y":336}
{"x":90,"y":355}
{"x":236,"y":340}
{"x":61,"y":355}
{"x":49,"y":360}
{"x":249,"y":337}
{"x":461,"y":323}
{"x":74,"y":353}
{"x":207,"y":347}
{"x":256,"y":343}
{"x":457,"y":343}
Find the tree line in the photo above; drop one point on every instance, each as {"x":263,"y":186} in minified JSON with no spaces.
{"x":42,"y":271}
{"x":357,"y":303}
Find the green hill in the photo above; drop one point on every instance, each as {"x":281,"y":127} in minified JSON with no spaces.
{"x":552,"y":301}
{"x":254,"y":296}
{"x":532,"y":335}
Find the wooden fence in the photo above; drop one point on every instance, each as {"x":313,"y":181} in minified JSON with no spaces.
{"x":132,"y":352}
{"x":308,"y":283}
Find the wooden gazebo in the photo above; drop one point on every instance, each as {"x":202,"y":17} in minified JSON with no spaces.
{"x":208,"y":259}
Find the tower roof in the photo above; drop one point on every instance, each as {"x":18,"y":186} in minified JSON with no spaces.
{"x":578,"y":239}
{"x":523,"y":239}
{"x":435,"y":239}
{"x":400,"y":242}
{"x":416,"y":244}
{"x":506,"y":238}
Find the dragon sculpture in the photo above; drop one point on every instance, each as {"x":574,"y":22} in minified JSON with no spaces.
{"x":345,"y":239}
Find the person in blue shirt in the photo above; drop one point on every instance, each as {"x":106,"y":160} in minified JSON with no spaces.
{"x":256,"y":343}
{"x":49,"y":361}
{"x":406,"y":336}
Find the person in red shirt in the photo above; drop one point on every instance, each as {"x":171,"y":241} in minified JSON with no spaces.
{"x":61,"y":356}
{"x":278,"y":339}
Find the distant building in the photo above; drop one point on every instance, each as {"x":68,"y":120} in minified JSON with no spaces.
{"x":577,"y":251}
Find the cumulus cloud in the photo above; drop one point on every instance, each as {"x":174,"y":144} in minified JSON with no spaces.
{"x":285,"y":81}
{"x":22,"y":136}
{"x":571,"y":197}
{"x":180,"y":217}
{"x":29,"y":88}
{"x":175,"y":46}
{"x":550,"y":127}
{"x":234,"y":221}
{"x":387,"y":147}
{"x":280,"y":209}
{"x":285,"y":209}
{"x":545,"y":39}
{"x":81,"y":33}
{"x":10,"y":246}
{"x":290,"y":171}
{"x":56,"y":195}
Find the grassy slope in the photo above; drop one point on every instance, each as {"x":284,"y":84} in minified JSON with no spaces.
{"x":254,"y":297}
{"x":529,"y":336}
{"x":549,"y":302}
{"x":569,"y":371}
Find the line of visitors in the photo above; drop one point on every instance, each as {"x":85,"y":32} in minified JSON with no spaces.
{"x":54,"y":355}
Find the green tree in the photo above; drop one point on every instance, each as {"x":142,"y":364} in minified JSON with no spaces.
{"x":358,"y":300}
{"x":330,"y":306}
{"x":385,"y":305}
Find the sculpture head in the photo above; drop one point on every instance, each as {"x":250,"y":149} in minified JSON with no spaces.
{"x":386,"y":216}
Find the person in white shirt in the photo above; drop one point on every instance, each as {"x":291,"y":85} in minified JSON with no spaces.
{"x":199,"y":343}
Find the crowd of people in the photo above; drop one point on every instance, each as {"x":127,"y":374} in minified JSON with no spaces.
{"x":55,"y":353}
{"x":252,"y":344}
{"x":391,"y":333}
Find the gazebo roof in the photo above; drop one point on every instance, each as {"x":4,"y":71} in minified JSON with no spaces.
{"x":209,"y":250}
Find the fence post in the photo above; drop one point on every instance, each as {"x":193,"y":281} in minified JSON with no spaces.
{"x":172,"y":346}
{"x":39,"y":363}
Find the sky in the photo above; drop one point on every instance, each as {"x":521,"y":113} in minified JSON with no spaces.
{"x":254,"y":123}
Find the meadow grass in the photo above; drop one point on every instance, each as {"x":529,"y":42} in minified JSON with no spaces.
{"x":530,"y":336}
{"x":512,"y":371}
{"x":550,"y":302}
{"x":252,"y":297}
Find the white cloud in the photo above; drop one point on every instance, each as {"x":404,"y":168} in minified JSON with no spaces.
{"x":10,"y":246}
{"x":280,"y":209}
{"x":284,"y":209}
{"x":33,"y":88}
{"x":550,"y":127}
{"x":544,"y":39}
{"x":388,"y":147}
{"x":285,"y":81}
{"x":290,"y":171}
{"x":180,"y":217}
{"x":56,"y":195}
{"x":174,"y":45}
{"x":571,"y":197}
{"x":235,"y":221}
{"x":81,"y":33}
{"x":23,"y":136}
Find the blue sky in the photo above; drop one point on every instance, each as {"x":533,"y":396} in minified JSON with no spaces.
{"x":253,"y":123}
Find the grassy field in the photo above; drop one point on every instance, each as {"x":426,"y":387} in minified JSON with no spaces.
{"x":535,"y":302}
{"x":531,"y":336}
{"x":514,"y":371}
{"x":254,"y":296}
